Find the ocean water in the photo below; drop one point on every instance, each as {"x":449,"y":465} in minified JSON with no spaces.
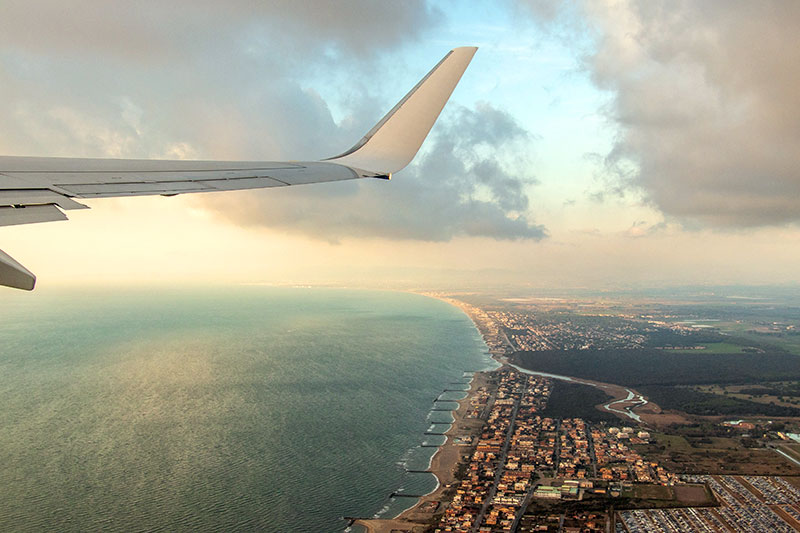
{"x":253,"y":408}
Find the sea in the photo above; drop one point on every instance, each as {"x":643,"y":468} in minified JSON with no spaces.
{"x":244,"y":408}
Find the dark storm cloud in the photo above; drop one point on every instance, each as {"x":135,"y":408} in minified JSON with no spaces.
{"x":460,"y":186}
{"x":705,"y":99}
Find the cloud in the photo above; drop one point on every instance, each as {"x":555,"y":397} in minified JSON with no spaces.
{"x":239,"y":80}
{"x":462,"y":185}
{"x":641,"y":228}
{"x":704,"y":97}
{"x":155,"y":31}
{"x":222,"y":80}
{"x":228,"y":79}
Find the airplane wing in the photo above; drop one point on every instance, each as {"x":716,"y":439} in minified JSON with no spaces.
{"x":40,"y":189}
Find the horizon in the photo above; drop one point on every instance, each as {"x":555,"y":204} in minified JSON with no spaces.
{"x":588,"y":144}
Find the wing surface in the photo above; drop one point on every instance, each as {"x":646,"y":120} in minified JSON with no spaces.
{"x":40,"y":189}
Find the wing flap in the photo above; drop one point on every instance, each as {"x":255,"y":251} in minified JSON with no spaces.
{"x":30,"y":214}
{"x":25,"y":197}
{"x":100,"y":190}
{"x":241,"y":184}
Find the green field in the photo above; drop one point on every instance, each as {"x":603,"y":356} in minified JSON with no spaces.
{"x":744,"y":332}
{"x":779,"y":393}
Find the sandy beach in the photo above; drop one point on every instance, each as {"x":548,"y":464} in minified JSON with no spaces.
{"x":445,"y":462}
{"x":443,"y":466}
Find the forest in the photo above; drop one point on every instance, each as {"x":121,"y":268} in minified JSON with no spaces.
{"x":572,"y":400}
{"x":635,"y":367}
{"x":657,"y":374}
{"x":709,"y":404}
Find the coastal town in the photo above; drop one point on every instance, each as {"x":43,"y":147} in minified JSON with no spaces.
{"x":513,"y":467}
{"x":528,"y":472}
{"x":522,"y":456}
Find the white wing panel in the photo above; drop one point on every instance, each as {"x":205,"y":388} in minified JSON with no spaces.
{"x":94,"y":178}
{"x":395,"y":140}
{"x":101,"y":190}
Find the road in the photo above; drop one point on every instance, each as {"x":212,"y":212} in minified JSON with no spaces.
{"x":501,"y":463}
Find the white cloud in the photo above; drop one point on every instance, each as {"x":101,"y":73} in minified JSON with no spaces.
{"x":462,"y":185}
{"x":704,"y":98}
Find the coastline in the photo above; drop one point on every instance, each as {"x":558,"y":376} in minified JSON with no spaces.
{"x":625,"y":402}
{"x":479,"y":319}
{"x":443,"y":465}
{"x":445,"y":461}
{"x":449,"y":455}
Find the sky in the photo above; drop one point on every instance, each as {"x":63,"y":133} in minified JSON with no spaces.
{"x":600,"y":144}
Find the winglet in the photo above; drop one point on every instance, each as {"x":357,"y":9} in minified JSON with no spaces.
{"x":394,"y":141}
{"x":12,"y":274}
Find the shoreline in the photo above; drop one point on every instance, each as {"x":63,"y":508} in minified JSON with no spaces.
{"x":449,"y":455}
{"x":444,"y":462}
{"x":625,"y":402}
{"x":443,"y":466}
{"x":479,"y":322}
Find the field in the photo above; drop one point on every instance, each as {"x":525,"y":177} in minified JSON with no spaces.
{"x":740,"y":392}
{"x":639,"y":496}
{"x":792,"y":450}
{"x":652,"y":492}
{"x":646,"y":496}
{"x":721,"y":456}
{"x":750,"y":333}
{"x":693,"y":401}
{"x":694,"y":495}
{"x":688,"y":495}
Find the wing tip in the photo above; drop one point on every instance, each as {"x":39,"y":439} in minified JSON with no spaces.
{"x":14,"y":275}
{"x":409,"y":128}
